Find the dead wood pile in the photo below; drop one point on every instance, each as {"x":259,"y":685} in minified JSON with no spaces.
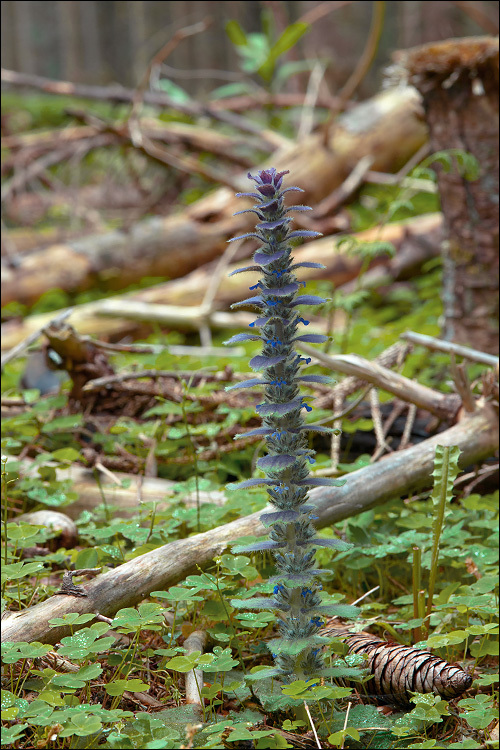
{"x":388,"y":129}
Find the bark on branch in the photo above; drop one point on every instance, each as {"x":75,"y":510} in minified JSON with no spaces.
{"x":399,"y":474}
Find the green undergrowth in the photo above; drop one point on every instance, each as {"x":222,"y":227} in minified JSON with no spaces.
{"x":87,"y":707}
{"x":44,"y":704}
{"x":85,"y":692}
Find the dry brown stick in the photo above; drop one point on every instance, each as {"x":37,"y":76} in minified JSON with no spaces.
{"x":380,"y":178}
{"x":306,"y":123}
{"x":98,"y":383}
{"x":448,"y":346}
{"x":363,"y":65}
{"x":378,"y":428}
{"x":132,"y":133}
{"x":345,"y":191}
{"x":405,"y":437}
{"x":462,"y":384}
{"x":160,"y":56}
{"x":208,"y":302}
{"x":365,"y":61}
{"x":444,"y":406}
{"x":184,"y":163}
{"x":413,"y":183}
{"x":399,"y":474}
{"x":323,"y":9}
{"x":48,"y":139}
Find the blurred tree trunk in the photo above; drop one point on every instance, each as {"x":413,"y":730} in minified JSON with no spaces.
{"x":69,"y":20}
{"x":91,"y":41}
{"x":458,"y":80}
{"x":22,"y":28}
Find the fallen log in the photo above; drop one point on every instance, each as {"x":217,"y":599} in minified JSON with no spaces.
{"x":387,"y":127}
{"x":397,"y":475}
{"x":416,"y":240}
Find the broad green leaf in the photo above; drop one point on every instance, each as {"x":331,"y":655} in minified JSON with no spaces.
{"x":14,"y":571}
{"x":12,"y":652}
{"x":118,"y":687}
{"x":236,"y":34}
{"x":184,"y":663}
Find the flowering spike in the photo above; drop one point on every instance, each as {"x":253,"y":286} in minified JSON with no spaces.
{"x":292,"y":536}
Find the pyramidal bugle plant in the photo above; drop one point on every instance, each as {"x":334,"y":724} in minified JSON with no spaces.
{"x":292,"y":539}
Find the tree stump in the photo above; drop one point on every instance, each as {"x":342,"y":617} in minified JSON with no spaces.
{"x":458,"y":81}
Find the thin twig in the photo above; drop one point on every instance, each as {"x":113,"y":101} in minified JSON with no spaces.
{"x":207,"y":304}
{"x":183,"y":163}
{"x":338,"y":400}
{"x":98,"y":465}
{"x":345,"y":722}
{"x":448,"y":346}
{"x":311,"y":98}
{"x":477,"y":477}
{"x":398,"y":408}
{"x":364,"y":63}
{"x":412,"y":183}
{"x":322,"y":10}
{"x":311,"y":722}
{"x":341,"y":414}
{"x":365,"y":595}
{"x":485,"y":17}
{"x":410,"y":420}
{"x":133,"y":348}
{"x":366,"y":59}
{"x":159,"y":58}
{"x":98,"y":383}
{"x":413,"y":161}
{"x":381,"y":445}
{"x":191,"y":317}
{"x":216,"y":277}
{"x":462,"y":384}
{"x":353,"y":181}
